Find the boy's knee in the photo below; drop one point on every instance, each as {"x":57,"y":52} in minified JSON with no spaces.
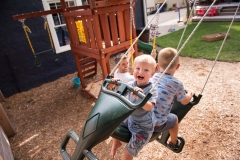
{"x":173,"y":117}
{"x":176,"y":119}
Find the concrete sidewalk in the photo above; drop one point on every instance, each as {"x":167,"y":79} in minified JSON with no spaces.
{"x":168,"y":20}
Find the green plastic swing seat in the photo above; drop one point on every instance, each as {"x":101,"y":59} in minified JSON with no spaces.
{"x":111,"y":108}
{"x":146,"y":48}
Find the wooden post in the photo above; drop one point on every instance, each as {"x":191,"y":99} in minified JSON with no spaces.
{"x":5,"y":123}
{"x":2,"y":99}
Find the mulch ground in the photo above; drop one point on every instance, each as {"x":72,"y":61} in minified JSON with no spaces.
{"x":42,"y":116}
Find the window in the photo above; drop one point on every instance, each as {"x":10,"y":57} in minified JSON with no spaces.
{"x":57,"y":24}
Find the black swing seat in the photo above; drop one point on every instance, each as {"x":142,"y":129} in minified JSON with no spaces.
{"x":124,"y":135}
{"x":111,"y":108}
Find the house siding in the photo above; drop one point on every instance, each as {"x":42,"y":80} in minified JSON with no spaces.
{"x":18,"y":72}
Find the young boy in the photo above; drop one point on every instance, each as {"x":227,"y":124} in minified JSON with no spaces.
{"x":140,"y":122}
{"x":168,"y":89}
{"x":122,"y":71}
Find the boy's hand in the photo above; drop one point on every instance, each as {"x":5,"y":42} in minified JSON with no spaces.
{"x":115,"y":79}
{"x":137,"y":89}
{"x":130,"y":53}
{"x":190,"y":93}
{"x":187,"y":99}
{"x":154,"y":53}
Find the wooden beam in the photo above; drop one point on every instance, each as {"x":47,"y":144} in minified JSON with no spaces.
{"x":2,"y":98}
{"x":98,"y":4}
{"x":81,"y":50}
{"x":63,"y":4}
{"x":77,"y":13}
{"x":124,"y":45}
{"x":5,"y":123}
{"x":111,"y":9}
{"x":86,"y":60}
{"x":42,"y":13}
{"x":84,"y":48}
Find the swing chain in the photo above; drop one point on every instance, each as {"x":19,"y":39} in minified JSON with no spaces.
{"x":27,"y":29}
{"x":155,"y":30}
{"x":131,"y":20}
{"x":46,"y":27}
{"x":131,"y":26}
{"x":22,"y":21}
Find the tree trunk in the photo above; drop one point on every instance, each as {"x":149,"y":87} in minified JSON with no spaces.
{"x":188,"y":11}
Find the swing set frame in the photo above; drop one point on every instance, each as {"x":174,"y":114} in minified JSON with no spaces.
{"x":106,"y":28}
{"x":27,"y":30}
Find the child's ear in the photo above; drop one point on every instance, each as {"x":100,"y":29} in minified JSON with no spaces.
{"x":158,"y":67}
{"x":178,"y":65}
{"x":152,"y":74}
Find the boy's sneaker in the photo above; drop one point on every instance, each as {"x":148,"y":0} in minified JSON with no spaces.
{"x":174,"y":146}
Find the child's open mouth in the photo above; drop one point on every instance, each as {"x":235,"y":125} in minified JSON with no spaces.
{"x":140,"y":77}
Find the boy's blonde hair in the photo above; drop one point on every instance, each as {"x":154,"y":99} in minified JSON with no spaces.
{"x":146,"y":58}
{"x":165,"y":56}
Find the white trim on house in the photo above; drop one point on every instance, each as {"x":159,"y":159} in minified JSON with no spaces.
{"x":52,"y":26}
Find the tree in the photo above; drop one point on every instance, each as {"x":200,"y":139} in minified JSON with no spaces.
{"x":188,"y":11}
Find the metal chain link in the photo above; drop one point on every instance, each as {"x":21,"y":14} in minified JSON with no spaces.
{"x":154,"y":33}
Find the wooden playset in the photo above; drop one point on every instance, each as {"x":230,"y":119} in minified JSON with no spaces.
{"x":96,"y":32}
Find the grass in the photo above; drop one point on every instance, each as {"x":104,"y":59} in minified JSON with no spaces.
{"x":197,"y":48}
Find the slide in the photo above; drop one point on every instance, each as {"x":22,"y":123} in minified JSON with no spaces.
{"x":146,"y":48}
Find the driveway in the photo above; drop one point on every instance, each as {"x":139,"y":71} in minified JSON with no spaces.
{"x":169,"y":20}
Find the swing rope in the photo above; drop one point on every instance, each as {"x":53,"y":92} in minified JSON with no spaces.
{"x":215,"y":61}
{"x":190,"y":14}
{"x":182,"y":46}
{"x":136,"y":39}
